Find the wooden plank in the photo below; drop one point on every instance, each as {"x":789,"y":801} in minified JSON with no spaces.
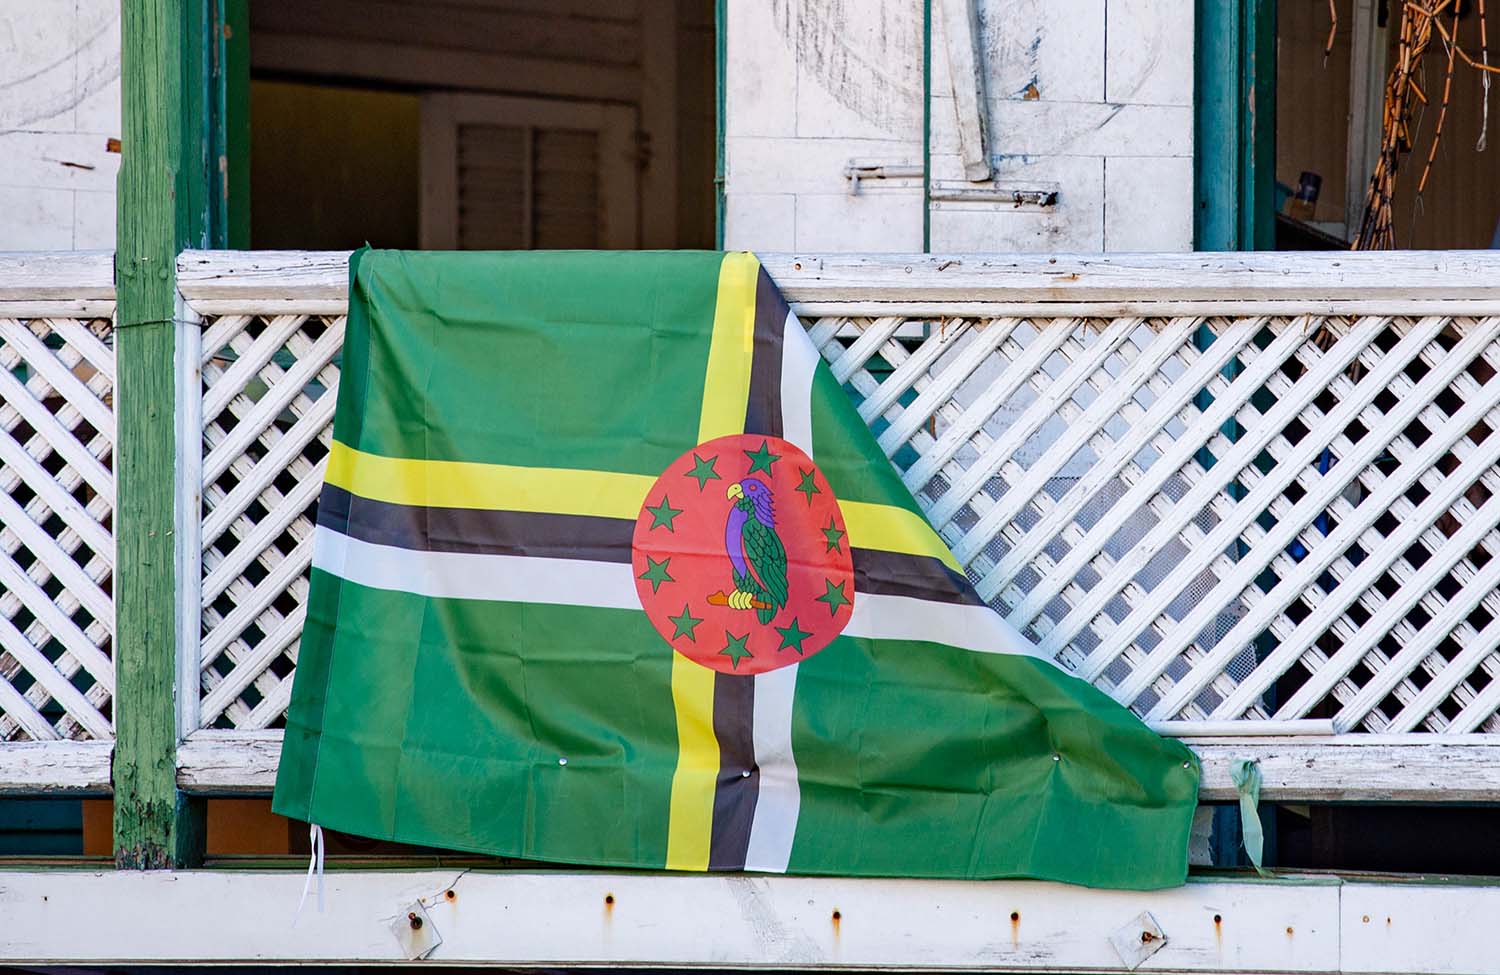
{"x":658,"y":120}
{"x":1366,"y":103}
{"x":1395,"y":281}
{"x":1357,"y":768}
{"x":1414,"y":928}
{"x":39,"y":768}
{"x":576,"y":38}
{"x":388,"y":62}
{"x":966,"y":74}
{"x":558,"y":919}
{"x":188,"y":509}
{"x":163,"y":152}
{"x":65,"y":276}
{"x":1393,"y":276}
{"x":1338,"y":768}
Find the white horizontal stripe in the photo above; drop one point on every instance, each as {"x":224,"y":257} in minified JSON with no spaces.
{"x":779,"y":798}
{"x":979,"y":628}
{"x":464,"y":575}
{"x":610,"y":585}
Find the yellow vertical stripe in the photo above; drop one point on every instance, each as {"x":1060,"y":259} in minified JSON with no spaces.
{"x":691,"y":816}
{"x":726,"y":387}
{"x":726,"y":393}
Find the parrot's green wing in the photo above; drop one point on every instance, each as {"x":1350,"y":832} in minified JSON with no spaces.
{"x":767,"y":557}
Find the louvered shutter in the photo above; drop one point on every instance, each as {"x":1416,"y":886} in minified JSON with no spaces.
{"x":518,"y":173}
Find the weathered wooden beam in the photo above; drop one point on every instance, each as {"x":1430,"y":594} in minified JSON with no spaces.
{"x":1388,"y":282}
{"x":1340,"y":768}
{"x":42,"y":768}
{"x":960,"y":20}
{"x":1311,"y":923}
{"x":559,"y":919}
{"x":162,"y":202}
{"x":658,"y":120}
{"x":386,"y":62}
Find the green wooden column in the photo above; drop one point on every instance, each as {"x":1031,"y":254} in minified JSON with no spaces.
{"x":1234,"y":173}
{"x":163,"y":206}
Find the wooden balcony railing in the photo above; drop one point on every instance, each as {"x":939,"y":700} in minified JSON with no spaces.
{"x":1254,"y":497}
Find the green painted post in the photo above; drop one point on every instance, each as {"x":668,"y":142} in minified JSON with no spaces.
{"x":231,"y":170}
{"x":926,"y":126}
{"x":1234,"y":168}
{"x":721,"y":71}
{"x":162,"y":206}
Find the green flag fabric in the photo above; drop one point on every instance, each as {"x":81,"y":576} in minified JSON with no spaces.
{"x":609,"y":571}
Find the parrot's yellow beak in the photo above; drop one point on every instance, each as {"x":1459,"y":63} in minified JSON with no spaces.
{"x":734,"y":492}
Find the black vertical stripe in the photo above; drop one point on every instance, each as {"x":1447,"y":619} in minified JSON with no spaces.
{"x":763,"y":411}
{"x":735,"y":791}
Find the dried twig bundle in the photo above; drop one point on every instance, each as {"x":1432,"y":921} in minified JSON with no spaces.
{"x":1403,"y":96}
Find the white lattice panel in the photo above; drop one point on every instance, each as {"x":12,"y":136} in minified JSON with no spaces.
{"x":57,"y":436}
{"x":269,"y":385}
{"x":1215,"y":518}
{"x":1269,"y":507}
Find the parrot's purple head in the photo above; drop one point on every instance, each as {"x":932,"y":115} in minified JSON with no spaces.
{"x":755,"y":495}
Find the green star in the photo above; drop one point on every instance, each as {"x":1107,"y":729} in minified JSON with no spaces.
{"x":735,"y":648}
{"x":685,"y":625}
{"x":762,"y":459}
{"x":662,"y":514}
{"x":832,"y":535}
{"x":703,"y":470}
{"x":834,"y":597}
{"x":792,"y":636}
{"x":808,"y":486}
{"x":656,"y":572}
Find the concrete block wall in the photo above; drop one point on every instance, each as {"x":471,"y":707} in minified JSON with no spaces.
{"x":59,"y":109}
{"x":810,"y":86}
{"x":1091,"y":98}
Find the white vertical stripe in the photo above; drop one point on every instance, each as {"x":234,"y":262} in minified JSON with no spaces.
{"x":799,"y":361}
{"x":779,"y":798}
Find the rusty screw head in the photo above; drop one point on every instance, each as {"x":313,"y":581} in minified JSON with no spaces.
{"x":1147,"y":937}
{"x":414,"y":920}
{"x":837,"y":915}
{"x":451,"y":894}
{"x":609,"y":898}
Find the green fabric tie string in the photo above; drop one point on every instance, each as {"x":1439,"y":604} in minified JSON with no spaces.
{"x":1246,"y":778}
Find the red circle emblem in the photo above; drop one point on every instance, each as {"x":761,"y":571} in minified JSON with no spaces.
{"x":741,"y":556}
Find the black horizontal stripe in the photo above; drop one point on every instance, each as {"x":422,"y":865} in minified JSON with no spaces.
{"x":918,"y":576}
{"x":473,"y":531}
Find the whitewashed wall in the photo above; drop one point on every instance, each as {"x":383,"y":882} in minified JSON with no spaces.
{"x":1091,"y":98}
{"x":59,"y":107}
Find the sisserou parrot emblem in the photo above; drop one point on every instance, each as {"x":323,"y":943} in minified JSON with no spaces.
{"x":742,"y":559}
{"x":756,"y":554}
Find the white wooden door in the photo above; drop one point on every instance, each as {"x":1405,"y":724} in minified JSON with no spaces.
{"x":501,"y":173}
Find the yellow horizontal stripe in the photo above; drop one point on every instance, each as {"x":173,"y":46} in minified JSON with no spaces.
{"x":490,"y":487}
{"x":891,"y":529}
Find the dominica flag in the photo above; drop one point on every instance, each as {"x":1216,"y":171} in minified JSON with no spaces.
{"x":608,"y":571}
